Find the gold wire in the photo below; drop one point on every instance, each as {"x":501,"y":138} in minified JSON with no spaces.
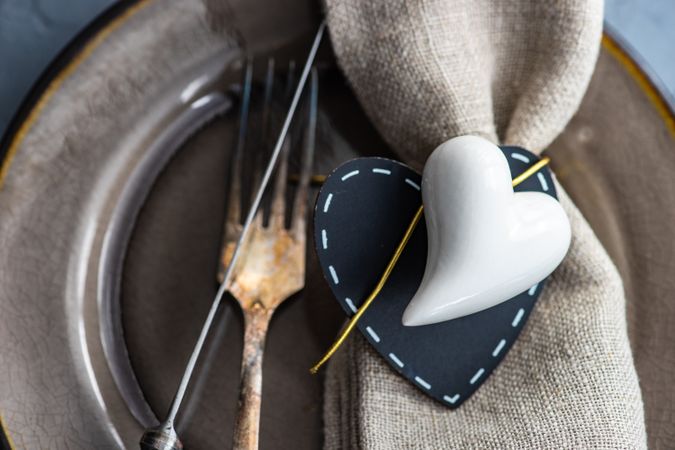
{"x":530,"y":171}
{"x":314,"y":179}
{"x":394,"y":259}
{"x":371,"y":297}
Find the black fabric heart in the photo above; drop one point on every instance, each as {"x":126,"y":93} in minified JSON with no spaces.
{"x":362,"y":211}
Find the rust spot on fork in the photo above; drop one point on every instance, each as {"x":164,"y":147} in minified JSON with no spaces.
{"x":270,"y":269}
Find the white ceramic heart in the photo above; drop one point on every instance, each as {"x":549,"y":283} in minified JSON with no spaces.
{"x":486,"y":243}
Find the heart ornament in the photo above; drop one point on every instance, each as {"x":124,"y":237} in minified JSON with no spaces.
{"x":486,"y":247}
{"x":486,"y":243}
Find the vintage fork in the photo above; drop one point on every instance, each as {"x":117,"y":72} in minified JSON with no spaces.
{"x":271,"y":267}
{"x":163,"y":436}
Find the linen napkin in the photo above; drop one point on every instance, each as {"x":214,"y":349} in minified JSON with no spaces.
{"x":512,"y":71}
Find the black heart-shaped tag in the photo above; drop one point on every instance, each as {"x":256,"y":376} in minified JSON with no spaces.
{"x":362,"y":212}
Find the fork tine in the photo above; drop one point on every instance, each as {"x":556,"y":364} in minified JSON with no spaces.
{"x":269,"y":80}
{"x":290,"y":81}
{"x":277,"y":215}
{"x":298,"y":220}
{"x":235,"y":197}
{"x":233,"y":216}
{"x":263,"y":150}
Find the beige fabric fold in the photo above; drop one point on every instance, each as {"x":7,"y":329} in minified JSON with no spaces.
{"x":428,"y":70}
{"x":514,"y":72}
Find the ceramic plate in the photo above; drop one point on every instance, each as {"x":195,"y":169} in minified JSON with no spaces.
{"x":113,"y":199}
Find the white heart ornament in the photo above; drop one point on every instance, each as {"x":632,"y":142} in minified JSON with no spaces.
{"x":486,"y":243}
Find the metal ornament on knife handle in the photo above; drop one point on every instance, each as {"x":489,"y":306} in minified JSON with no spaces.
{"x":164,"y":436}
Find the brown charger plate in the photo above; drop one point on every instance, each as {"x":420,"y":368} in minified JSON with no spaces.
{"x":113,"y":200}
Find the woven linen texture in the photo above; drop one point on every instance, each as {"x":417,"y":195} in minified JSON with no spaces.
{"x":514,"y":72}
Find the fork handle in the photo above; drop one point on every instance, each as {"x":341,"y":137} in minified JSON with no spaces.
{"x":246,"y":429}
